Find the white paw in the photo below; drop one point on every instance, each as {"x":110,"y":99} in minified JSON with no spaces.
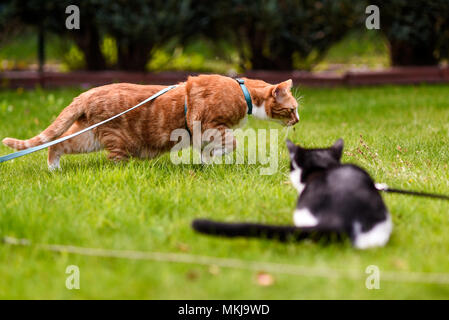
{"x":221,"y":152}
{"x":54,"y":166}
{"x":205,"y":160}
{"x":376,"y":237}
{"x":304,"y":218}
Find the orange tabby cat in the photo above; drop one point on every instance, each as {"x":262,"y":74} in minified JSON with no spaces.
{"x":216,"y":101}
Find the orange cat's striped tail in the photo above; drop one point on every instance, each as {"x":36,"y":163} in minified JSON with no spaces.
{"x":62,"y":123}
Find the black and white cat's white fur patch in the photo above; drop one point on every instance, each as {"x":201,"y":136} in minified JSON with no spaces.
{"x":334,"y":199}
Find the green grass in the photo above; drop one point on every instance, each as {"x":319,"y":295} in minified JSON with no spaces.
{"x":149,"y":205}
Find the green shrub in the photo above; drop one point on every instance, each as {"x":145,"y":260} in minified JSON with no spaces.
{"x":274,"y":34}
{"x":417,"y":31}
{"x":265,"y":34}
{"x":141,"y":26}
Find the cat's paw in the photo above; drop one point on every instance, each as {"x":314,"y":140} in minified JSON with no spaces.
{"x":54,"y":166}
{"x":304,"y":218}
{"x":206,"y":160}
{"x":378,"y":236}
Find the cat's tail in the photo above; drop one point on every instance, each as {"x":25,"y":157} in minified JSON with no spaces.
{"x":256,"y":230}
{"x":62,"y":123}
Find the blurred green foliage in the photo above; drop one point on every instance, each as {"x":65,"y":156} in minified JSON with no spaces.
{"x":137,"y":26}
{"x":417,"y":31}
{"x":266,"y":34}
{"x":363,"y":49}
{"x":140,"y":26}
{"x":231,"y":35}
{"x":200,"y":55}
{"x":270,"y":33}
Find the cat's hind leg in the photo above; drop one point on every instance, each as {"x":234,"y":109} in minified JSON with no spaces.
{"x":116,"y":143}
{"x":377,"y":236}
{"x":84,"y":143}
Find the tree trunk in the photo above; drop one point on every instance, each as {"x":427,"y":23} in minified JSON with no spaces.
{"x":88,"y":40}
{"x":407,"y":54}
{"x":284,"y":61}
{"x":261,"y":62}
{"x":41,"y":47}
{"x":133,"y":56}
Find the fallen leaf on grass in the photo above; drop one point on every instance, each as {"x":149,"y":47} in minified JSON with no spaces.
{"x":265,"y":279}
{"x":214,"y":270}
{"x":183,"y":247}
{"x":192,"y":275}
{"x":400,"y":264}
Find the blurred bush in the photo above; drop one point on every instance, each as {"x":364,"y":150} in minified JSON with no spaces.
{"x":216,"y":35}
{"x":267,"y":34}
{"x":140,"y":26}
{"x":50,"y":16}
{"x":137,"y":26}
{"x":282,"y":34}
{"x":199,"y":55}
{"x":417,"y":31}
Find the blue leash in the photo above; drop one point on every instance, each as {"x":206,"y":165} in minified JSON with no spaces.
{"x":51,"y":143}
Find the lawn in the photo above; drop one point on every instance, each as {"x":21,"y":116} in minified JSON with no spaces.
{"x":398,"y":134}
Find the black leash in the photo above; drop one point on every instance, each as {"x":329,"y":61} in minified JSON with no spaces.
{"x":385,"y":188}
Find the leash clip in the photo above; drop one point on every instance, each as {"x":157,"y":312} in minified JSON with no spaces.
{"x":381,"y":186}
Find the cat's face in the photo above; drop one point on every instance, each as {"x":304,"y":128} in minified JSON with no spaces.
{"x":306,"y":161}
{"x":282,"y":105}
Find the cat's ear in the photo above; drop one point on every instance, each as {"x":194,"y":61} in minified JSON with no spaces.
{"x":281,"y":89}
{"x":288,"y":84}
{"x":337,"y":148}
{"x":291,"y":148}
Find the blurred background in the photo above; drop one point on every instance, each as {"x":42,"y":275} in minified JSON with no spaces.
{"x":223,"y":36}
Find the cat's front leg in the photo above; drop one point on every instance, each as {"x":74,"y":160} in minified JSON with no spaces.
{"x":218,"y":142}
{"x":227,"y":145}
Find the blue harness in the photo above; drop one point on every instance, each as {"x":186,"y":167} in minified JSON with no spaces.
{"x":245,"y":93}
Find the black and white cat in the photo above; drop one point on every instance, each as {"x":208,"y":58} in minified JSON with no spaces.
{"x":335,"y":201}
